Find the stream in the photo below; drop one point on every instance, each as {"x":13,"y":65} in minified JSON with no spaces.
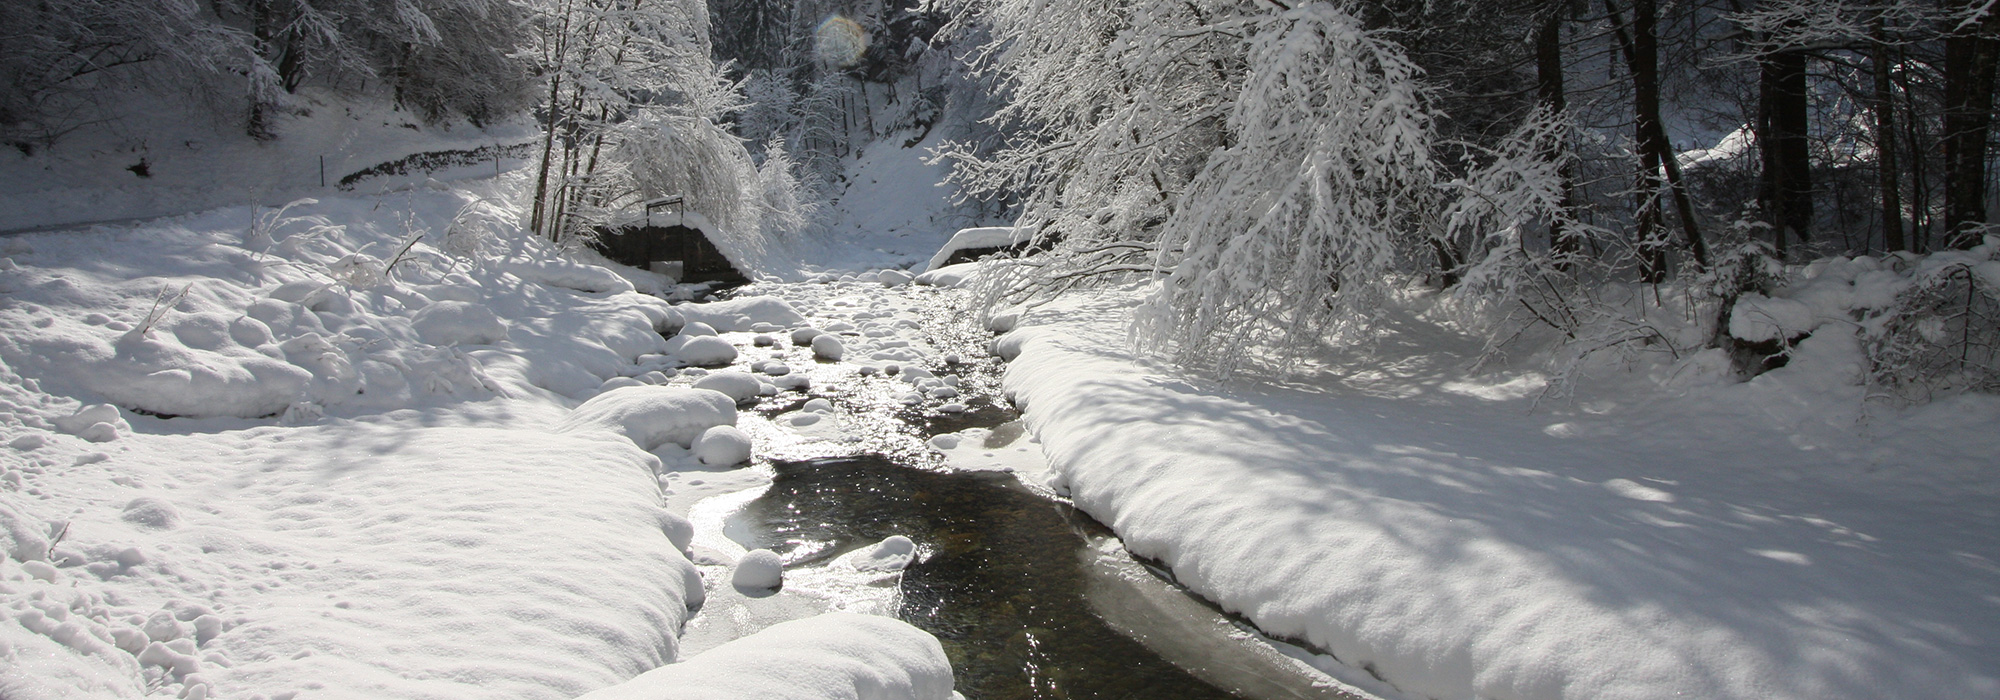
{"x":1030,"y":597}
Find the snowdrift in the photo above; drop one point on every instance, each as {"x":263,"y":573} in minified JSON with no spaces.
{"x":1445,"y":537}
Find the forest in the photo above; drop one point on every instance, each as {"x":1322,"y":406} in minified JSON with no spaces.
{"x":1553,"y":167}
{"x":1389,"y":349}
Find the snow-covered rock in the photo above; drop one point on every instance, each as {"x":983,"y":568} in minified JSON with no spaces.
{"x":706,"y":351}
{"x":744,"y":313}
{"x":950,"y":275}
{"x":805,"y":336}
{"x":1758,"y":318}
{"x":740,"y":386}
{"x":651,"y":416}
{"x":458,"y":323}
{"x":722,"y":446}
{"x":760,"y":570}
{"x":828,"y":347}
{"x":893,"y":278}
{"x":833,"y":656}
{"x":695,"y":329}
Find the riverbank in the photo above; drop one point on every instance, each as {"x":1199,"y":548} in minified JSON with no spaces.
{"x":1450,"y":536}
{"x":252,"y":453}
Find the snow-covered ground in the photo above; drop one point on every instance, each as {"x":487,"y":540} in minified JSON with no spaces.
{"x":1452,"y":536}
{"x":148,"y":165}
{"x":307,"y":457}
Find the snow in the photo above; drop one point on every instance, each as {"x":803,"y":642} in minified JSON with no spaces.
{"x":835,"y":656}
{"x":651,"y":416}
{"x":760,"y":570}
{"x":1735,"y":540}
{"x":827,"y":347}
{"x":453,"y":478}
{"x":983,"y":237}
{"x":950,"y":275}
{"x":196,"y":163}
{"x":706,"y":351}
{"x":569,"y":275}
{"x":740,"y":386}
{"x":458,"y":323}
{"x":743,"y":313}
{"x":722,"y":446}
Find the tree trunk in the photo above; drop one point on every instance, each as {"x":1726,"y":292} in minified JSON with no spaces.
{"x":1970,"y":55}
{"x":1888,"y":171}
{"x":1563,"y":244}
{"x":1785,"y":186}
{"x":1656,"y":152}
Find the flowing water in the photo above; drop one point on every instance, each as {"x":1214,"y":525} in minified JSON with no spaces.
{"x":1030,"y":597}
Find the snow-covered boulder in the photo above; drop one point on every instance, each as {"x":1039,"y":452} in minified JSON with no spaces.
{"x":651,"y":416}
{"x":949,"y":275}
{"x":805,"y":336}
{"x":706,"y":351}
{"x":1758,"y":318}
{"x":834,"y":656}
{"x":166,"y":377}
{"x":740,"y":386}
{"x":458,"y":323}
{"x":722,"y":446}
{"x":828,"y":347}
{"x":760,"y":570}
{"x":743,"y":314}
{"x":893,"y":278}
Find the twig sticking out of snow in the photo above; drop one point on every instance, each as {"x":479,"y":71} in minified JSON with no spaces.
{"x":161,"y":305}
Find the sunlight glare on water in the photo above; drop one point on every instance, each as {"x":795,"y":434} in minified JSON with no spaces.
{"x":840,"y":41}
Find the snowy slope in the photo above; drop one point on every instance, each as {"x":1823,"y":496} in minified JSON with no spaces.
{"x":893,"y":208}
{"x":193,"y":163}
{"x":1445,"y":534}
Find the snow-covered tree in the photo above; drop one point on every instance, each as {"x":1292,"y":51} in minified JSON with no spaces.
{"x":1305,"y":219}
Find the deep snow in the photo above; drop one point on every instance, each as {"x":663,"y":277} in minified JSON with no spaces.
{"x":449,"y":478}
{"x":1447,"y":534}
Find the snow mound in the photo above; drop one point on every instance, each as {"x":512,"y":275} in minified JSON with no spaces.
{"x":985,"y":237}
{"x":740,"y":386}
{"x":166,"y":377}
{"x":827,"y":347}
{"x":893,"y":278}
{"x":742,"y":314}
{"x":569,"y":275}
{"x":722,"y":446}
{"x":950,"y":275}
{"x":458,"y":323}
{"x":706,"y":351}
{"x":833,"y":656}
{"x":651,"y":416}
{"x":760,"y":570}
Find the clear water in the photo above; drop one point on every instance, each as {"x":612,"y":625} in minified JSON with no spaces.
{"x":1004,"y":587}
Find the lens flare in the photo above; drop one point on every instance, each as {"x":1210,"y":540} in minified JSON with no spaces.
{"x":840,"y":41}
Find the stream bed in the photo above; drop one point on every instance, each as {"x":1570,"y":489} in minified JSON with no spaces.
{"x":1030,"y":597}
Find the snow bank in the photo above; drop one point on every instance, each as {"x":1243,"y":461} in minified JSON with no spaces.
{"x":569,"y":275}
{"x":740,"y":314}
{"x":835,"y":656}
{"x":348,"y":560}
{"x":651,"y":416}
{"x":987,"y":237}
{"x":1455,"y":547}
